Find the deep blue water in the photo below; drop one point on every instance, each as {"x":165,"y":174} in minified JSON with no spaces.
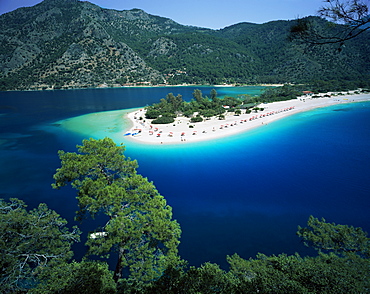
{"x":245,"y":194}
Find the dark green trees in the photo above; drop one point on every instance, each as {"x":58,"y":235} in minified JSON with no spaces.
{"x":139,"y":224}
{"x":283,"y":93}
{"x":83,"y":277}
{"x":345,"y":270}
{"x":354,"y":14}
{"x":340,"y":239}
{"x":31,"y":243}
{"x":167,"y":109}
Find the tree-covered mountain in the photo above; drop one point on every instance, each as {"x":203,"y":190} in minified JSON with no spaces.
{"x":74,"y":44}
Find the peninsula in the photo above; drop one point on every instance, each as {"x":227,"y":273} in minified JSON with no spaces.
{"x":183,"y":131}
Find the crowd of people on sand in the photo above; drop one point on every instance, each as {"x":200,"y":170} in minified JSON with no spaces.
{"x":183,"y":130}
{"x":143,"y":125}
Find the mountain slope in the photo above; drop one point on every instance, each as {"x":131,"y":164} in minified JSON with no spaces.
{"x":292,"y":62}
{"x":74,"y":44}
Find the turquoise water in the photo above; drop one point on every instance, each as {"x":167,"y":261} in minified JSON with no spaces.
{"x":245,"y":193}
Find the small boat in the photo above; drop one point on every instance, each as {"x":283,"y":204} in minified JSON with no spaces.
{"x":127,"y":134}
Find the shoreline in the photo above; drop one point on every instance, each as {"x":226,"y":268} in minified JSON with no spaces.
{"x":143,"y":132}
{"x":140,"y":86}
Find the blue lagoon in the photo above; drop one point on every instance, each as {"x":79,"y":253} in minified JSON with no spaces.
{"x":245,"y":193}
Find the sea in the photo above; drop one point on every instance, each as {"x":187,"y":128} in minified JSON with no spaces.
{"x":243,"y":194}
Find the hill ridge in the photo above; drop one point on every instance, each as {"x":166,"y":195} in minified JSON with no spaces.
{"x":75,"y":44}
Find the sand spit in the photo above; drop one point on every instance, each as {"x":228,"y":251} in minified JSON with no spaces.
{"x":183,"y":131}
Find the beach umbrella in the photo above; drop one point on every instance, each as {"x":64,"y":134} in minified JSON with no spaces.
{"x":158,"y":135}
{"x":183,"y":134}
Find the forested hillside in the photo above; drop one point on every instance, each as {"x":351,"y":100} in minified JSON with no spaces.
{"x":74,"y":44}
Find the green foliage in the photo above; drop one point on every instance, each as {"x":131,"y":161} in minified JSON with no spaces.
{"x":31,"y":242}
{"x":77,"y":277}
{"x":139,"y":227}
{"x":339,"y":239}
{"x":323,"y":86}
{"x":166,"y":107}
{"x":294,"y":274}
{"x":325,"y":273}
{"x":286,"y":92}
{"x":208,"y":278}
{"x":197,"y":118}
{"x":163,"y":120}
{"x":238,"y":112}
{"x":208,"y":113}
{"x":231,"y":101}
{"x":173,"y":106}
{"x":152,"y":113}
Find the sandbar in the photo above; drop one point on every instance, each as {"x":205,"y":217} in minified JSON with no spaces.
{"x":183,"y":131}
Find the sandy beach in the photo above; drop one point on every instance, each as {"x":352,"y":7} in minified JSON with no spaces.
{"x":182,"y":131}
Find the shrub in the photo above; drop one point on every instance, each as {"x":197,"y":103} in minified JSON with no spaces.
{"x":238,"y":112}
{"x":197,"y":118}
{"x":152,"y":113}
{"x":163,"y":120}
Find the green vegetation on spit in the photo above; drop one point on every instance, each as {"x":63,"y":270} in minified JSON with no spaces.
{"x":36,"y":245}
{"x":201,"y":108}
